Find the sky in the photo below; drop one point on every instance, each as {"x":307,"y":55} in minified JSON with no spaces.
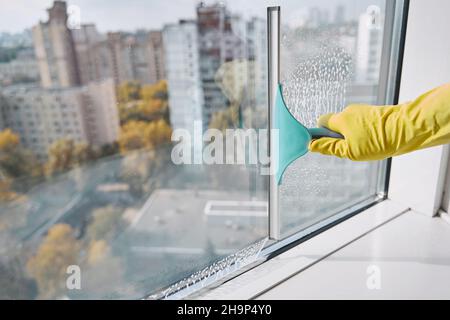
{"x":129,"y":15}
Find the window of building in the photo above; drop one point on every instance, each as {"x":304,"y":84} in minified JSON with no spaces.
{"x":113,"y":198}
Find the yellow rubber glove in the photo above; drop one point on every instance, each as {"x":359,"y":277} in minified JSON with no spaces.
{"x":380,"y":132}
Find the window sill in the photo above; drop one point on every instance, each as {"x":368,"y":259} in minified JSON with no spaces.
{"x":262,"y":278}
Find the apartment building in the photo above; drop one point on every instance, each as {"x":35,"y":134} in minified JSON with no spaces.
{"x":22,"y":69}
{"x":55,"y":49}
{"x":369,"y":45}
{"x":221,"y":40}
{"x":92,"y":53}
{"x":100,"y":112}
{"x":257,"y":53}
{"x":41,"y":116}
{"x":156,"y":56}
{"x":136,"y":57}
{"x":69,"y":58}
{"x":182,"y":65}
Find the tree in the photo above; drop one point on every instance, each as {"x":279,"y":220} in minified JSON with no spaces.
{"x":136,"y":135}
{"x":96,"y":281}
{"x":157,"y":133}
{"x":16,"y":161}
{"x":129,"y":91}
{"x":142,"y":110}
{"x":6,"y":193}
{"x":225,"y":119}
{"x":155,"y":91}
{"x":143,"y":103}
{"x":231,"y":78}
{"x":106,"y":223}
{"x":58,"y":250}
{"x":97,"y":252}
{"x":107,"y":150}
{"x":105,"y":226}
{"x":8,"y":140}
{"x":152,"y":109}
{"x":60,"y":156}
{"x":136,"y":169}
{"x":7,"y":54}
{"x":130,"y":137}
{"x":65,"y":154}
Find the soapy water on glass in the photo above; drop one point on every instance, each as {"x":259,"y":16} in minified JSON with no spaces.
{"x":318,"y":85}
{"x":212,"y":273}
{"x":313,"y":85}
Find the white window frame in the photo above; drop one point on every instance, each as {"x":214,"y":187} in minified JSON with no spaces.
{"x":444,"y":211}
{"x":426,"y":65}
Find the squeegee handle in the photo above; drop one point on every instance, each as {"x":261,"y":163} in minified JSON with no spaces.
{"x":317,"y":133}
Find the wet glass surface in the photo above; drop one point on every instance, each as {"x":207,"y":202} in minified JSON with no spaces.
{"x":326,"y":64}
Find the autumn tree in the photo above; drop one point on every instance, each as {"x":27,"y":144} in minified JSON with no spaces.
{"x":136,"y":169}
{"x":231,"y":78}
{"x":6,"y":192}
{"x":143,"y":103}
{"x":48,"y":267}
{"x":131,"y":136}
{"x":137,"y":135}
{"x":157,"y":133}
{"x":96,"y":281}
{"x":106,"y":223}
{"x":155,"y":91}
{"x":66,"y":154}
{"x":129,"y":91}
{"x":109,"y":149}
{"x":16,"y":161}
{"x":97,"y":252}
{"x":8,"y":140}
{"x":144,"y":118}
{"x":225,"y":119}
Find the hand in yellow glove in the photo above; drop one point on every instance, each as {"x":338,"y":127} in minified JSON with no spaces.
{"x":380,"y":132}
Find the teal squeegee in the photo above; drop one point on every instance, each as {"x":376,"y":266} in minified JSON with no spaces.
{"x":294,"y":138}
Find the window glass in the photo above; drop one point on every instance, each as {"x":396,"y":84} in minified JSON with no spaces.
{"x":96,"y":193}
{"x":331,"y":55}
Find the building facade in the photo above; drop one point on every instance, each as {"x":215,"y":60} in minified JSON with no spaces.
{"x":257,"y":54}
{"x":100,"y":112}
{"x":156,"y":56}
{"x":55,"y":49}
{"x":182,"y":65}
{"x":92,"y":53}
{"x":369,"y":46}
{"x":68,"y":58}
{"x":41,"y":116}
{"x":221,"y":40}
{"x":22,"y":69}
{"x":136,"y":57}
